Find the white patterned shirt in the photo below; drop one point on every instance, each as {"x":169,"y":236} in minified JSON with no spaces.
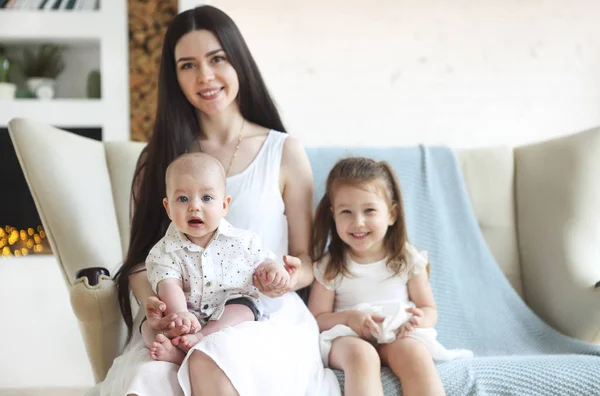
{"x":213,"y":275}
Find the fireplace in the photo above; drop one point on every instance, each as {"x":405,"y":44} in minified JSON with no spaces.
{"x":21,"y":230}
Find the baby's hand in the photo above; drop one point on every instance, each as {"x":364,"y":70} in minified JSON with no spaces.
{"x":271,"y":278}
{"x":188,"y":322}
{"x":414,"y":322}
{"x":364,"y":323}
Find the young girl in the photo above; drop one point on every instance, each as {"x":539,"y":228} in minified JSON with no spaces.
{"x":371,"y":296}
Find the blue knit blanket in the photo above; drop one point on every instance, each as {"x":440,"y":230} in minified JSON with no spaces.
{"x":516,"y":353}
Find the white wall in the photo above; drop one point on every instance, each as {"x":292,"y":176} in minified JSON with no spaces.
{"x":461,"y":72}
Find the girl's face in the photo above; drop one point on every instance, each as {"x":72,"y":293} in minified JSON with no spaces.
{"x":362,"y":217}
{"x":207,"y":79}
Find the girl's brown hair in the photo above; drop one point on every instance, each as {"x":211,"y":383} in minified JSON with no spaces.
{"x":358,"y":171}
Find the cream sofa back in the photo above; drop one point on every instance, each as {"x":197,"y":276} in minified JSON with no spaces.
{"x":488,"y":175}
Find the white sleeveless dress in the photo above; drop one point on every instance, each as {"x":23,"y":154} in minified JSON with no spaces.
{"x":279,"y":356}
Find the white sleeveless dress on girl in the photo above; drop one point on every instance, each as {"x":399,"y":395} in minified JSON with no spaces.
{"x":374,"y":288}
{"x":278,"y":356}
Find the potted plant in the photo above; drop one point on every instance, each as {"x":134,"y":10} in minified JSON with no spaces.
{"x":41,"y":67}
{"x":7,"y":89}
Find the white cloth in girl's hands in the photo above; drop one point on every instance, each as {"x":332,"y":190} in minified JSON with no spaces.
{"x":395,"y":315}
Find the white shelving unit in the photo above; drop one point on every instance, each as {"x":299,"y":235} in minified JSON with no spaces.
{"x":106,"y":27}
{"x":60,"y":26}
{"x":88,"y":113}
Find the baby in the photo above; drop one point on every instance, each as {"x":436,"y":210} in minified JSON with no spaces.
{"x":202,"y":268}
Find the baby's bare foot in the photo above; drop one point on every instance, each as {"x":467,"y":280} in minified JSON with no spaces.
{"x":186,"y":342}
{"x":163,"y":350}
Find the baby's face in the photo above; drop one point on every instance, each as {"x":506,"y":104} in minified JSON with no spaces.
{"x":196,"y":202}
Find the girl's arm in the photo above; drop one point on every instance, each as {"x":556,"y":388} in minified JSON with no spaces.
{"x":297,"y":192}
{"x":320,"y":304}
{"x":419,"y":292}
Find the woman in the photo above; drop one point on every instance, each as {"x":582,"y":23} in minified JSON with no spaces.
{"x":212,"y":99}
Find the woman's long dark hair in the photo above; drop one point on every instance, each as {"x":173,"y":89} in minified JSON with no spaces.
{"x":175,"y":128}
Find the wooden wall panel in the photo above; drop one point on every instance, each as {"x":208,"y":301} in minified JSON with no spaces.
{"x":148,"y":21}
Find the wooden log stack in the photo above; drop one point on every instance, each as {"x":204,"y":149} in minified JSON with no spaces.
{"x":148,"y":21}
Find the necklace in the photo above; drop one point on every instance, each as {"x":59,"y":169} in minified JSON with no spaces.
{"x":237,"y":146}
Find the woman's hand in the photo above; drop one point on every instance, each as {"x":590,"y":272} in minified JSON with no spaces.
{"x":364,"y":323}
{"x":157,"y":322}
{"x":270,"y":282}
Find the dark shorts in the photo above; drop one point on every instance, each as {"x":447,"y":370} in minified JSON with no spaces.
{"x":236,"y":301}
{"x":247,"y":302}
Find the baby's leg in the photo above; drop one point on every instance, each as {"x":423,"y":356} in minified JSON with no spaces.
{"x":163,"y":350}
{"x":410,"y":360}
{"x":361,"y":365}
{"x":233,"y":314}
{"x":148,"y":335}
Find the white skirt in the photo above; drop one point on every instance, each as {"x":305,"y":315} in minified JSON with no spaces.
{"x":278,"y":356}
{"x":394,"y":315}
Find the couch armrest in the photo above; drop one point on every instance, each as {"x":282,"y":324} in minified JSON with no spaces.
{"x":95,"y":304}
{"x":92,"y":274}
{"x":558,"y":217}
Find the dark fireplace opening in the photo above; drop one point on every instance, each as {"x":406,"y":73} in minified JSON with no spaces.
{"x":21,"y":231}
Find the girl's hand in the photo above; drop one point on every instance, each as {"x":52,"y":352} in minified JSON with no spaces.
{"x":364,"y":323}
{"x":154,"y":314}
{"x":414,"y":322}
{"x":292,"y":266}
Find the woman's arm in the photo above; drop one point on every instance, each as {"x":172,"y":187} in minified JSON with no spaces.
{"x":138,"y":278}
{"x":140,"y":286}
{"x":297,"y":180}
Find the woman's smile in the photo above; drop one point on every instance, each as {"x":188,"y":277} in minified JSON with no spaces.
{"x":211,"y":93}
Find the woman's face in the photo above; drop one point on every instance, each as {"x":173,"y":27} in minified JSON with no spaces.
{"x":205,"y":75}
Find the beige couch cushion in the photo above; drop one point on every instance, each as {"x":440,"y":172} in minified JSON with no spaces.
{"x":121,"y":159}
{"x":489,"y":178}
{"x":558,"y":212}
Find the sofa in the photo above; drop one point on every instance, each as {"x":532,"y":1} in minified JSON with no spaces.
{"x":537,"y":206}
